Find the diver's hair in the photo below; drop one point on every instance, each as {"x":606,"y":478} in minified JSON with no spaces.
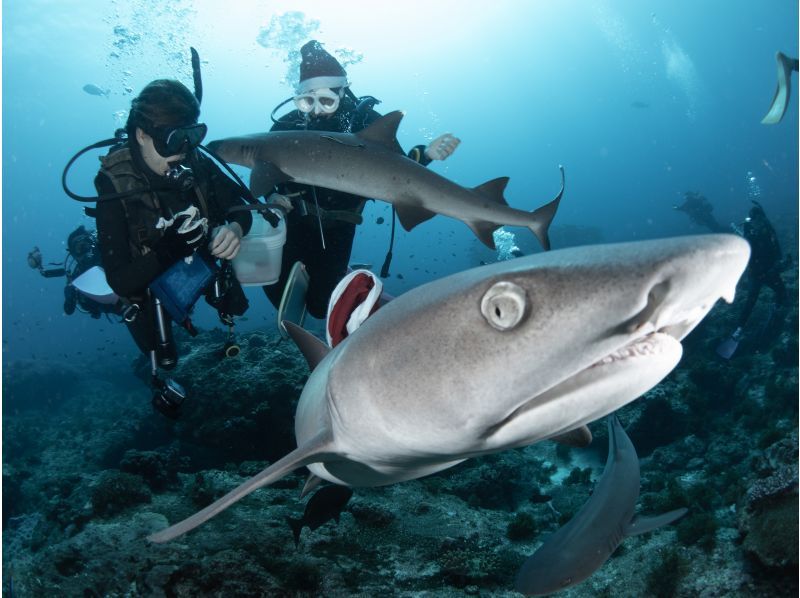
{"x":162,"y":103}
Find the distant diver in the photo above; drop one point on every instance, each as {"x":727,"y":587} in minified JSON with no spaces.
{"x":81,"y":269}
{"x":700,"y":211}
{"x":764,"y":269}
{"x":783,"y":92}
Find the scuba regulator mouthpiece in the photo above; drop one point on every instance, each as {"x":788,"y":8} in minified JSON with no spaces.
{"x":180,"y":175}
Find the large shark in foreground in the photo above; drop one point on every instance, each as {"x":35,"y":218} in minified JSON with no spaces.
{"x":586,"y":541}
{"x":497,"y":357}
{"x":371,"y":163}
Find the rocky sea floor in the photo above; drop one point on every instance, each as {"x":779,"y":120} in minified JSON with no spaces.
{"x":89,"y":470}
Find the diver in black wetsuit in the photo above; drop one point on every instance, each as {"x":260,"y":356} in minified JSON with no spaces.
{"x":174,"y":206}
{"x":82,"y":254}
{"x":325,"y":102}
{"x":700,"y":210}
{"x":765,"y":266}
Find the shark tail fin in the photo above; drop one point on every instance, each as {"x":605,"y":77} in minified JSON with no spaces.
{"x":543,"y":216}
{"x":297,"y":527}
{"x":312,"y":452}
{"x":642,"y":525}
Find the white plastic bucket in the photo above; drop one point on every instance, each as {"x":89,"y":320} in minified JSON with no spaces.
{"x":258,"y":262}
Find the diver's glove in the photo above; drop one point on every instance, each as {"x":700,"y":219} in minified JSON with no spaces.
{"x":182,"y":235}
{"x":226,"y":240}
{"x":441,"y":147}
{"x":175,"y":245}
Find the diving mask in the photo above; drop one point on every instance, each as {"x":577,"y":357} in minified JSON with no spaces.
{"x":320,"y":101}
{"x":180,"y":140}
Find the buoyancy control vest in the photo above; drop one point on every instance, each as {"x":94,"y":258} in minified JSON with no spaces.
{"x":143,"y":210}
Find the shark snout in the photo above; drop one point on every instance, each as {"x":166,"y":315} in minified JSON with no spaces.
{"x":687,"y":284}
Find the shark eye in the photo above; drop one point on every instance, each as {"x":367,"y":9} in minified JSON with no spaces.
{"x":504,"y":305}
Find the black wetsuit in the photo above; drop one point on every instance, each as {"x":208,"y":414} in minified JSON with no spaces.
{"x":326,"y":267}
{"x":765,"y":266}
{"x":128,"y":237}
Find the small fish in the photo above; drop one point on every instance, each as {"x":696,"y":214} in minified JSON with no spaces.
{"x":94,"y":90}
{"x":326,"y":504}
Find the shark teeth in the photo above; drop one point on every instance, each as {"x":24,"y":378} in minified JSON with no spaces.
{"x":641,"y":347}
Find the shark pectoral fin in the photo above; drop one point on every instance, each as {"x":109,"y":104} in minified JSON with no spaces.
{"x":312,"y":348}
{"x":642,"y":525}
{"x":484,"y":231}
{"x":411,"y":216}
{"x":384,"y":131}
{"x":542,"y":217}
{"x":493,"y":190}
{"x":314,"y":451}
{"x":578,"y":438}
{"x":312,"y":481}
{"x":783,"y":91}
{"x":264,"y":177}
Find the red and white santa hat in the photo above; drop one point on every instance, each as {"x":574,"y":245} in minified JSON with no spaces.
{"x":353,"y":300}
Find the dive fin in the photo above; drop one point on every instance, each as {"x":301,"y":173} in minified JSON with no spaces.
{"x":313,"y":349}
{"x":264,"y":177}
{"x":493,"y":190}
{"x":783,"y":92}
{"x":313,"y":452}
{"x":727,"y":348}
{"x":578,"y":438}
{"x":642,"y":525}
{"x":292,"y":307}
{"x":411,"y":216}
{"x":384,"y":131}
{"x":543,"y":216}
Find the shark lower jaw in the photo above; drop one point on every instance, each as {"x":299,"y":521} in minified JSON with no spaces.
{"x":589,"y":394}
{"x":618,"y":378}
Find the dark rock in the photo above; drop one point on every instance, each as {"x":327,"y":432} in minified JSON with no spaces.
{"x":116,"y":491}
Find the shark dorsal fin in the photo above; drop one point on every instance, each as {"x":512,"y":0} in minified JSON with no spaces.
{"x":642,"y":525}
{"x":384,"y":131}
{"x":313,"y":349}
{"x":493,"y":190}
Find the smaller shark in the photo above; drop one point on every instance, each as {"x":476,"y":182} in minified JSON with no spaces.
{"x":780,"y":101}
{"x":575,"y":551}
{"x":371,"y":163}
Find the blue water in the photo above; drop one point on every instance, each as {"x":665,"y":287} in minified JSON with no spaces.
{"x":640,"y":101}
